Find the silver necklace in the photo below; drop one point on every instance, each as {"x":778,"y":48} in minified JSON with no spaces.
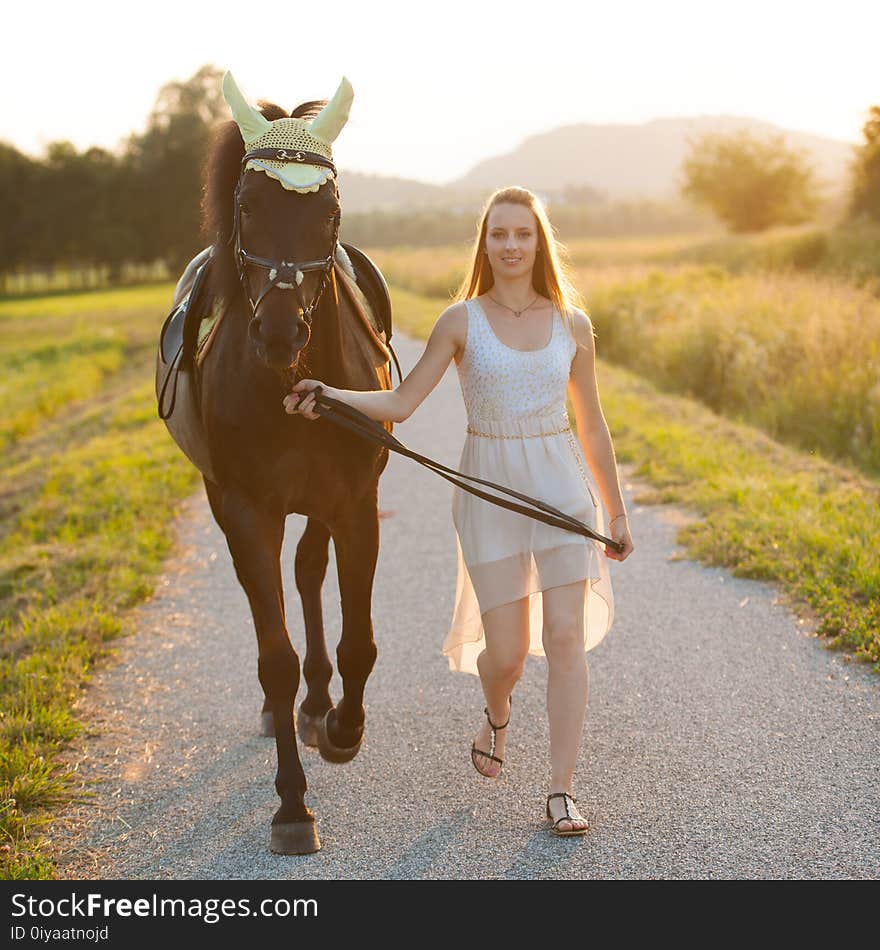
{"x":516,"y":313}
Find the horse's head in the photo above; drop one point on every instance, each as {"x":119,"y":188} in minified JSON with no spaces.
{"x":284,"y":218}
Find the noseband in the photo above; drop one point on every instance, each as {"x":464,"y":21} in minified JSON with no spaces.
{"x":286,"y":275}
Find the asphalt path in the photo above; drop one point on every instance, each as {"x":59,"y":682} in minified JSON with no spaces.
{"x":722,"y":740}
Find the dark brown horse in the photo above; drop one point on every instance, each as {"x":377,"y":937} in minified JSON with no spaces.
{"x":265,"y":464}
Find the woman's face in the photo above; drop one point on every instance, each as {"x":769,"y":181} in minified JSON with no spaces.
{"x":511,"y":240}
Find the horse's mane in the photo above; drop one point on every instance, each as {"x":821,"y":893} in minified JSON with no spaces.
{"x":220,"y":175}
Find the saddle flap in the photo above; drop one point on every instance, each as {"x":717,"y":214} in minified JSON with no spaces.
{"x":372,"y":283}
{"x":171,"y":338}
{"x":178,"y":330}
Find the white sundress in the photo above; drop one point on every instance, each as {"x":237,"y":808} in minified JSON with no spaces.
{"x":519,"y":436}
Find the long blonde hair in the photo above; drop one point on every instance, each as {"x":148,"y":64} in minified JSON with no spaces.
{"x":550,"y":274}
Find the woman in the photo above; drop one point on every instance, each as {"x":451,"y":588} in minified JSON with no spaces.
{"x":523,"y":586}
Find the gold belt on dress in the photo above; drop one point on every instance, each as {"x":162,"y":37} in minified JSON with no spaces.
{"x":531,"y":435}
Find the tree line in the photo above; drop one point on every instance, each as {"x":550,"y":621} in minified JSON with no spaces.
{"x":100,"y":208}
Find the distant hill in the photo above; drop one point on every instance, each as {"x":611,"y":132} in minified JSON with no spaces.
{"x":634,"y":161}
{"x":362,"y":192}
{"x":618,"y":161}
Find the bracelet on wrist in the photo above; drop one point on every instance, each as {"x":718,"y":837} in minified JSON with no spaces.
{"x":622,"y":515}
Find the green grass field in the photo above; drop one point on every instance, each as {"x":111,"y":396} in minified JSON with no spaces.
{"x":796,"y":355}
{"x":92,"y":477}
{"x":89,"y":481}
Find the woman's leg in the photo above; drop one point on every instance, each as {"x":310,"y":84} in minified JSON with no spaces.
{"x":500,"y":666}
{"x":568,"y":683}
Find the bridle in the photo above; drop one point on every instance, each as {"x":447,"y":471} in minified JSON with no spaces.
{"x":286,"y":275}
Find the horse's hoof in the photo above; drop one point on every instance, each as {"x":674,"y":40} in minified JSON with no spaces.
{"x":309,"y":728}
{"x":333,"y":753}
{"x":294,"y":837}
{"x":267,"y":724}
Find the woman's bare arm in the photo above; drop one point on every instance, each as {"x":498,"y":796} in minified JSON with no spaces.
{"x":395,"y":405}
{"x":593,"y":432}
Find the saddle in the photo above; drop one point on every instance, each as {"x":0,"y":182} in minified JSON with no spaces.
{"x":190,"y":328}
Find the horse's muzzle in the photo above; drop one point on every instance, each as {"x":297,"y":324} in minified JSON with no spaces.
{"x":279,"y":352}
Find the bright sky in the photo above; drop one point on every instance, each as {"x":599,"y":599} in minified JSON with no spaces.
{"x":440,"y":85}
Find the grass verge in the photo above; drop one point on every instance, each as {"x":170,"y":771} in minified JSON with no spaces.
{"x":87,"y":490}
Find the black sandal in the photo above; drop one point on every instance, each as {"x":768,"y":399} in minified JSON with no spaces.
{"x":566,"y":817}
{"x":491,"y":753}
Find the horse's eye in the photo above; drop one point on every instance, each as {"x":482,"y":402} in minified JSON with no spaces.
{"x":244,"y":209}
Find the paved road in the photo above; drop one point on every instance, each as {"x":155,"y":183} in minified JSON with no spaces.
{"x":721,"y":740}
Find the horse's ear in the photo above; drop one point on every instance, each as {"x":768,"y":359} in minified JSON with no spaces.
{"x":330,"y":120}
{"x":251,"y":123}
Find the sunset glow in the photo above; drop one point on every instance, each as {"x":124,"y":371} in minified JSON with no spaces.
{"x":435,"y":96}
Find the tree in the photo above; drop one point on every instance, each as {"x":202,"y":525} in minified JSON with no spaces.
{"x":865,"y":191}
{"x":76,"y":217}
{"x":98,"y":207}
{"x":749,"y":183}
{"x":18,"y":188}
{"x":166,"y":163}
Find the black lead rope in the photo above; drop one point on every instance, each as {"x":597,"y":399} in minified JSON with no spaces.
{"x":353,"y":419}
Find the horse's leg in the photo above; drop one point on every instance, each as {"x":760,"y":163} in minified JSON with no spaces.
{"x":255,"y":537}
{"x":311,"y":568}
{"x":215,"y":500}
{"x":356,"y":542}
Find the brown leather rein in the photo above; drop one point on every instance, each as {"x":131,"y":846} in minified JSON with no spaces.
{"x":350,"y":418}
